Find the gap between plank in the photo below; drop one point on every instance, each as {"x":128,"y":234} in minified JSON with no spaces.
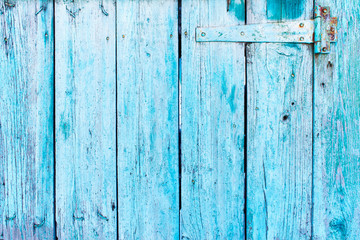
{"x":54,"y":123}
{"x":116,"y":126}
{"x":179,"y":110}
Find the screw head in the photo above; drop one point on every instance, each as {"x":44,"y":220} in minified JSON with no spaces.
{"x":242,"y":33}
{"x":324,"y":10}
{"x":203,"y":34}
{"x":324,"y":49}
{"x":107,"y":38}
{"x":301,"y":24}
{"x":301,"y":38}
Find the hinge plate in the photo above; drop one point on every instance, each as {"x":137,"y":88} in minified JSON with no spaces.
{"x":321,"y":31}
{"x":286,"y":32}
{"x":325,"y":29}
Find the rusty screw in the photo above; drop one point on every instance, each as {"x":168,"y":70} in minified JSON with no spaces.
{"x":324,"y":10}
{"x":324,"y":49}
{"x":107,"y":38}
{"x":301,"y":25}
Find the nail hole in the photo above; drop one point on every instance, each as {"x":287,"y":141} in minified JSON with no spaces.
{"x":322,"y":84}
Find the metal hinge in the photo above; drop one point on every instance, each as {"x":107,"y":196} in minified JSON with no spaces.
{"x":320,"y":31}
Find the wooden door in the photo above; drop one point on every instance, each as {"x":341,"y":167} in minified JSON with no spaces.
{"x":117,"y":123}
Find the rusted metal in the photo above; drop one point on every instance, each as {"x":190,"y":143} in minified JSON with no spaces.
{"x":325,"y":29}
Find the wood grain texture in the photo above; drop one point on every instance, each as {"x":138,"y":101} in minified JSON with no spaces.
{"x":337,"y":129}
{"x":85,"y":119}
{"x":148,"y":144}
{"x":279,"y":80}
{"x":212,"y":120}
{"x":26,"y":120}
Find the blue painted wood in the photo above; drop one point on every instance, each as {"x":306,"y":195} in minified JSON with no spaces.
{"x":85,"y":120}
{"x":336,"y":130}
{"x":26,"y":120}
{"x":147,"y":100}
{"x":212,"y":120}
{"x":279,"y":111}
{"x":138,"y":40}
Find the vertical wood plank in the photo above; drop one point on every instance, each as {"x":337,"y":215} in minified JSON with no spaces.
{"x":26,"y":120}
{"x":212,"y":120}
{"x":337,"y":129}
{"x":279,"y":153}
{"x":147,"y":56}
{"x":85,"y":119}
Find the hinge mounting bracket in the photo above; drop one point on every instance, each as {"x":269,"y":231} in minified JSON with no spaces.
{"x":321,"y":31}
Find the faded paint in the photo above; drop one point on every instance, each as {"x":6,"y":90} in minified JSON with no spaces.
{"x":283,"y":200}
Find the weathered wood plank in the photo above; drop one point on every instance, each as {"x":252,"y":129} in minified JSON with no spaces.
{"x":26,"y":120}
{"x":85,"y":119}
{"x":337,"y":130}
{"x":147,"y":55}
{"x":212,"y":119}
{"x":279,"y":153}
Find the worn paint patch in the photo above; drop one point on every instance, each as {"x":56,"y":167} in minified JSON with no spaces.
{"x":285,"y":9}
{"x":237,"y":8}
{"x":231,"y":99}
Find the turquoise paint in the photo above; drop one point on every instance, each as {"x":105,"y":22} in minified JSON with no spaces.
{"x":148,"y":147}
{"x":295,"y":189}
{"x":86,"y":121}
{"x":336,"y":125}
{"x":231,"y":99}
{"x":279,"y":136}
{"x":237,"y":9}
{"x":285,"y":9}
{"x":26,"y":119}
{"x":212,"y":97}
